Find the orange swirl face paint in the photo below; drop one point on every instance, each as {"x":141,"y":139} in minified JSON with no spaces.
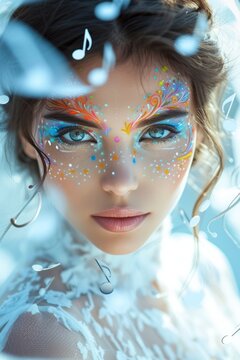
{"x":159,"y":135}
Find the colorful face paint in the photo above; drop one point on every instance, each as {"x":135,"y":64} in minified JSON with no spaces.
{"x":159,"y":146}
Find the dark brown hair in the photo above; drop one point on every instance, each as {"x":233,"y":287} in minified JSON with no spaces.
{"x":144,"y":31}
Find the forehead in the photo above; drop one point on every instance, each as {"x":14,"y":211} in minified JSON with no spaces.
{"x":128,"y":91}
{"x":128,"y":84}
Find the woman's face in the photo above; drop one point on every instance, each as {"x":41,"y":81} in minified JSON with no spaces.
{"x":120,"y":155}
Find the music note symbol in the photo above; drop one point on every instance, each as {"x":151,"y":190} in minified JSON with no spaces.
{"x":48,"y":283}
{"x":108,"y":11}
{"x":38,"y":267}
{"x":188,"y":45}
{"x":227,"y":339}
{"x":79,"y":54}
{"x":106,"y":287}
{"x":99,"y":76}
{"x":229,"y":124}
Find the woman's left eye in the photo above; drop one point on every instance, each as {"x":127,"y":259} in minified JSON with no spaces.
{"x":159,"y":133}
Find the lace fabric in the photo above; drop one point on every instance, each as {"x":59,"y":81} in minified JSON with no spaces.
{"x":61,"y":312}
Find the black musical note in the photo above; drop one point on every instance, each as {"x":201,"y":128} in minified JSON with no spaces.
{"x":106,"y":287}
{"x":79,"y":54}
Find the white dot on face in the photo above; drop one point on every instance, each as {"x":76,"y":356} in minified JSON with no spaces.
{"x":113,"y":173}
{"x":70,"y":165}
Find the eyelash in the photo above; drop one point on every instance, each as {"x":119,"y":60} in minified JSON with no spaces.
{"x":61,"y":132}
{"x":173,"y":132}
{"x":59,"y":135}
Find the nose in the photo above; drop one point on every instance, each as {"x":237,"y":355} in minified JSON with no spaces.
{"x":119,"y":179}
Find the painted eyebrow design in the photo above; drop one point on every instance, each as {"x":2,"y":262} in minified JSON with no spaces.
{"x":154,"y":119}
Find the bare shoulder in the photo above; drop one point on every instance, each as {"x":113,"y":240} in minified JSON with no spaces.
{"x":41,"y":335}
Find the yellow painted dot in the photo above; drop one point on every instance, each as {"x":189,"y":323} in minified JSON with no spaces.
{"x":134,"y":152}
{"x":72,"y":171}
{"x":61,"y":174}
{"x":164,"y":68}
{"x":158,"y":167}
{"x":174,"y":99}
{"x":85,"y":171}
{"x":161,"y":83}
{"x":166,"y":171}
{"x":101,"y":165}
{"x":115,"y":157}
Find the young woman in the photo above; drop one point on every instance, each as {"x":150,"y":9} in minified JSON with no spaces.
{"x":111,"y":284}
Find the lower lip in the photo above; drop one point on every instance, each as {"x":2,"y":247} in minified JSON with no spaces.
{"x":120,"y":224}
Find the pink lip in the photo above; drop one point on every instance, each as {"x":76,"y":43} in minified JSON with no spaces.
{"x":120,"y":219}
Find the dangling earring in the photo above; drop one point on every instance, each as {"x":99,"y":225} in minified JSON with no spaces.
{"x":13,"y":221}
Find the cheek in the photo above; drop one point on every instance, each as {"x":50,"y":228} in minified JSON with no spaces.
{"x":78,"y":167}
{"x":168,"y":188}
{"x":167,"y":160}
{"x":164,"y":169}
{"x":162,"y":195}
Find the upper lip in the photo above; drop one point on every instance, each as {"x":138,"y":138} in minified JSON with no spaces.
{"x":120,"y":213}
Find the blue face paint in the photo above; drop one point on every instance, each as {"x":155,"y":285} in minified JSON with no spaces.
{"x":160,"y":147}
{"x":68,"y":136}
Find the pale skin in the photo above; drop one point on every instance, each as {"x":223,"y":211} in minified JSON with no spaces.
{"x":120,"y":183}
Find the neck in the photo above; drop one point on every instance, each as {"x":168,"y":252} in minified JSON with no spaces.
{"x":85,"y":267}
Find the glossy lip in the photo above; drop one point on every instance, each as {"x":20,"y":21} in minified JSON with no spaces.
{"x":120,"y":219}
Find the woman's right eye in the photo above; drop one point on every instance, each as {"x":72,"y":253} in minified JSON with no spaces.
{"x":73,"y":136}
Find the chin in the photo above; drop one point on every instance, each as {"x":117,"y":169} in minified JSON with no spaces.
{"x":118,"y":247}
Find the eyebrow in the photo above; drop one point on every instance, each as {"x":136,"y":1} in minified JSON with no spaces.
{"x":141,"y":123}
{"x":160,"y":117}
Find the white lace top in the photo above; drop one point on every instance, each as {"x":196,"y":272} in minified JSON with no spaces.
{"x":61,"y":312}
